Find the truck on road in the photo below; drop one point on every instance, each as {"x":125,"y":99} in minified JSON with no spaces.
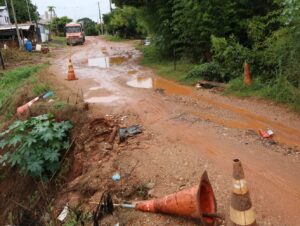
{"x":74,"y":34}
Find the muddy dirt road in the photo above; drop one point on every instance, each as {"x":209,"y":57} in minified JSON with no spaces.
{"x":189,"y":131}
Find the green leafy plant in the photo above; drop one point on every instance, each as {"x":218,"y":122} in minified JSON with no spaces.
{"x":208,"y":71}
{"x":34,"y":145}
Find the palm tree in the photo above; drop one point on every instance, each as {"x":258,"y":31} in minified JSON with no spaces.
{"x":51,"y":9}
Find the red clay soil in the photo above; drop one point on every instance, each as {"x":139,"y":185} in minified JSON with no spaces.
{"x":185,"y":131}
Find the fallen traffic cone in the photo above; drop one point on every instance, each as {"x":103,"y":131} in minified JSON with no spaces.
{"x":22,"y":109}
{"x":71,"y":72}
{"x":247,"y":75}
{"x":241,"y":210}
{"x":197,"y":202}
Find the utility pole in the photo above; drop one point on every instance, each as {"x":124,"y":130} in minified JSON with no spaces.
{"x":28,"y":11}
{"x":16,"y":23}
{"x":100,"y":17}
{"x":110,"y":6}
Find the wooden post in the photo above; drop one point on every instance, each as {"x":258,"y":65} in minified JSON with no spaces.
{"x":16,"y":23}
{"x":2,"y":60}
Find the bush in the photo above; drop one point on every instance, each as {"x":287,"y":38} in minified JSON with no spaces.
{"x":151,"y":53}
{"x":34,"y":145}
{"x":231,"y":56}
{"x":207,"y":71}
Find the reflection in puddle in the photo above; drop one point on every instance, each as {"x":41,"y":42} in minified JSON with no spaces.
{"x":141,"y":82}
{"x":105,"y":62}
{"x":103,"y":100}
{"x":132,"y":72}
{"x":118,"y":60}
{"x":158,"y":83}
{"x":102,"y":62}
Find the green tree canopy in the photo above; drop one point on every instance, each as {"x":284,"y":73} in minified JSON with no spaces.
{"x":21,"y":10}
{"x":124,"y":22}
{"x":90,"y":26}
{"x":58,"y":25}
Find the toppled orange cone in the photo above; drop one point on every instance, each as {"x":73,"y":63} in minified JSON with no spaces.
{"x":197,"y":202}
{"x":22,"y":109}
{"x":241,"y":210}
{"x":247,"y":75}
{"x":71,"y":72}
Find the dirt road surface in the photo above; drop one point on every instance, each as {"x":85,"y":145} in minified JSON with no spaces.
{"x":187,"y":131}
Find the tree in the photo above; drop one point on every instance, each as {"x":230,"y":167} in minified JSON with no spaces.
{"x":21,"y":10}
{"x":90,"y":27}
{"x":124,"y":22}
{"x":58,"y":24}
{"x":51,"y":9}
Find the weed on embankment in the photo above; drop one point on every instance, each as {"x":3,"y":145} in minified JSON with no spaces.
{"x":279,"y":91}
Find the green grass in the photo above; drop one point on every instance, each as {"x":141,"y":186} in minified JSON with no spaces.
{"x":58,"y":41}
{"x":279,"y":91}
{"x":114,"y":38}
{"x":12,"y":80}
{"x":166,"y":68}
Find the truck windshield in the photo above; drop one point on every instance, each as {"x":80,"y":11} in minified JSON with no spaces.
{"x":74,"y":29}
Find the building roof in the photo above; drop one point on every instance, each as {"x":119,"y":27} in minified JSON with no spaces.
{"x":12,"y":26}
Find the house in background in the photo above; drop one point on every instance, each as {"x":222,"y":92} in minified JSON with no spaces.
{"x":36,"y":32}
{"x":4,"y":16}
{"x":43,"y":31}
{"x":8,"y":34}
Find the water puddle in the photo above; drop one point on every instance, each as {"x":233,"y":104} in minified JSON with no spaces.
{"x":118,"y":60}
{"x":141,"y":82}
{"x":102,"y":62}
{"x":106,"y":62}
{"x":158,"y":83}
{"x":103,"y":100}
{"x":95,"y":88}
{"x":132,"y":72}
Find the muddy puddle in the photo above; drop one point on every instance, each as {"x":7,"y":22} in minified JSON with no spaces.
{"x":141,"y":82}
{"x":103,"y":99}
{"x":106,"y":62}
{"x":169,"y":87}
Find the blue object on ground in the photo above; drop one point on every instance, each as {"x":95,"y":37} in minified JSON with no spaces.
{"x":116,"y":176}
{"x":48,"y":94}
{"x":28,"y":46}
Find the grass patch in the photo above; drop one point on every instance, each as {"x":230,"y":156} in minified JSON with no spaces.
{"x":15,"y":55}
{"x":12,"y":81}
{"x":114,"y":38}
{"x":166,"y":68}
{"x":279,"y":91}
{"x":58,"y":41}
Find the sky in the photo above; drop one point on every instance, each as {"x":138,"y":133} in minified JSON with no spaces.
{"x":74,"y":9}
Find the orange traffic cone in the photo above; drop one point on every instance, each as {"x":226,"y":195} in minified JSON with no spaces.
{"x":241,"y":210}
{"x":197,"y":202}
{"x":71,"y":72}
{"x":247,"y":75}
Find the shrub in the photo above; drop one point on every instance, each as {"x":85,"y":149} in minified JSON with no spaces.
{"x":208,"y":71}
{"x":34,"y":145}
{"x":230,"y":55}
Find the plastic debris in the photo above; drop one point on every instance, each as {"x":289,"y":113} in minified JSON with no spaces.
{"x":266,"y":134}
{"x":62,"y":216}
{"x":129,"y":132}
{"x":48,"y":94}
{"x":116,"y":176}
